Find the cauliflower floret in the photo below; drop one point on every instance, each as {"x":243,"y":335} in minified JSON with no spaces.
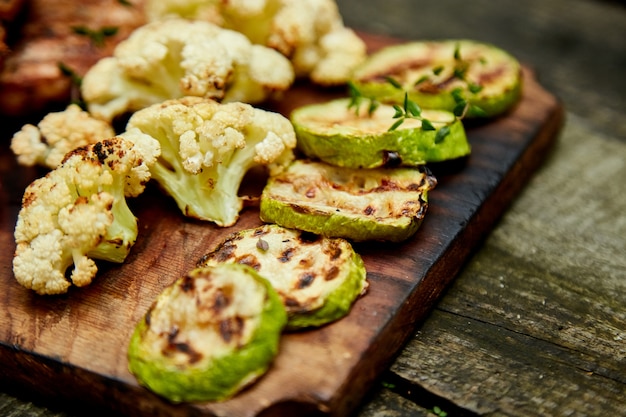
{"x":78,"y":213}
{"x":56,"y":134}
{"x":311,"y":33}
{"x":176,"y":58}
{"x":206,"y":149}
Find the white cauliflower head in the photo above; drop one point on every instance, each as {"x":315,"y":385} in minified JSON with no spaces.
{"x":206,"y":149}
{"x":78,"y":213}
{"x":178,"y":57}
{"x":311,"y":33}
{"x":57,"y":134}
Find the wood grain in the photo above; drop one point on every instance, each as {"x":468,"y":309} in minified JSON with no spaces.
{"x":74,"y":346}
{"x":536,"y":322}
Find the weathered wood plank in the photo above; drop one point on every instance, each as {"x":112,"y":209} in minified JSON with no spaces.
{"x":536,"y":323}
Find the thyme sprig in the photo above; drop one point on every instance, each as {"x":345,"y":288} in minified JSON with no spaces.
{"x":97,"y":37}
{"x":459,"y":72}
{"x":409,"y":110}
{"x":357,"y":98}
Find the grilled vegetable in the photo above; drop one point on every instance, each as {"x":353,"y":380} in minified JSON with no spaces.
{"x":480,"y":78}
{"x":357,"y":204}
{"x":208,"y":335}
{"x":317,"y":278}
{"x":337,"y":133}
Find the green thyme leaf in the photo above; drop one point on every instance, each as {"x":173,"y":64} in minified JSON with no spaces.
{"x":439,"y":412}
{"x":460,"y":108}
{"x":396,"y":124}
{"x":457,"y":95}
{"x":388,"y":385}
{"x":478,"y":111}
{"x":97,"y":37}
{"x":394,"y":82}
{"x":457,"y":52}
{"x":372,"y":107}
{"x":357,"y":98}
{"x":399,"y":111}
{"x":427,"y":125}
{"x":474,"y":88}
{"x":421,"y":80}
{"x":442,"y":134}
{"x":413,"y":108}
{"x":353,"y":91}
{"x":68,"y":72}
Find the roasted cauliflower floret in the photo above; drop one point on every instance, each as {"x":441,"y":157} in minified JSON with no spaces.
{"x":311,"y":33}
{"x":208,"y":147}
{"x":78,"y":212}
{"x":178,"y":57}
{"x":57,"y":134}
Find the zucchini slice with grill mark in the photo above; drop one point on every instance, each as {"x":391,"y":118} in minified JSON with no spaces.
{"x":334,"y":133}
{"x":385,"y":204}
{"x":317,"y":278}
{"x":208,"y":335}
{"x":488,"y":77}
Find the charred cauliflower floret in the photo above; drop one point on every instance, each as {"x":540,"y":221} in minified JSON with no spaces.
{"x":57,"y":134}
{"x":208,"y":147}
{"x":78,"y":212}
{"x":178,"y":57}
{"x":311,"y":33}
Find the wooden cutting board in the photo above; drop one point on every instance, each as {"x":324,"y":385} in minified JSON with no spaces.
{"x":73,"y":346}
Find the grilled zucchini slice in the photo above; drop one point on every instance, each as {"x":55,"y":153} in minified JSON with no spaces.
{"x":317,"y":278}
{"x":340,"y":135}
{"x":487,"y":77}
{"x":208,"y":335}
{"x":385,"y":204}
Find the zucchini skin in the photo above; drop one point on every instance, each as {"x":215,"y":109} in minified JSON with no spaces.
{"x":327,"y":223}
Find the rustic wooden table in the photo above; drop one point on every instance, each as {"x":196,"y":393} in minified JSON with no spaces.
{"x":535,"y":324}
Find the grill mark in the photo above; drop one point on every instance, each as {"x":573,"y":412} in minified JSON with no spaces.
{"x":488,"y":77}
{"x":290,"y":302}
{"x":308,"y":238}
{"x":305,"y":280}
{"x":332,"y":273}
{"x":186,"y":349}
{"x":333,"y":250}
{"x":230,"y":328}
{"x":397,"y":71}
{"x":286,"y":255}
{"x":187,"y":284}
{"x":222,"y":253}
{"x":250,"y":260}
{"x":221,"y":300}
{"x":260,"y":231}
